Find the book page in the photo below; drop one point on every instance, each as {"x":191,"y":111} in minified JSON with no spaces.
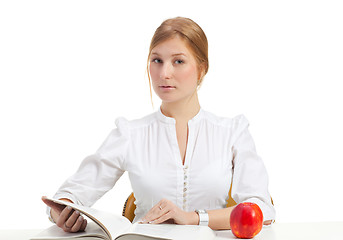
{"x":113,"y":225}
{"x":92,"y":230}
{"x":120,"y":228}
{"x":170,"y":231}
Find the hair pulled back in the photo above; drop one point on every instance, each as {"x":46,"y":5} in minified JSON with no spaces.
{"x":191,"y":33}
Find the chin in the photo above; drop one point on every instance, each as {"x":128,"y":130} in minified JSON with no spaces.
{"x":165,"y":98}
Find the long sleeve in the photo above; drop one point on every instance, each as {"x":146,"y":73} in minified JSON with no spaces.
{"x":147,"y":149}
{"x":250,"y":178}
{"x":99,"y":172}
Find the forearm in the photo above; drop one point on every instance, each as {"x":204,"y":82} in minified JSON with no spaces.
{"x":219,"y":219}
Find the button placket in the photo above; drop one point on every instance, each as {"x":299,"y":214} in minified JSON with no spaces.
{"x":185,"y":186}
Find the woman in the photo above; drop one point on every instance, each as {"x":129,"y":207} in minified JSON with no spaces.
{"x":180,"y":159}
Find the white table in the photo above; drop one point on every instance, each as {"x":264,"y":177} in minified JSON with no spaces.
{"x":296,"y":231}
{"x":278,"y":231}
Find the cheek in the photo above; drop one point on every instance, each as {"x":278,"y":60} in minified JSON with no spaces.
{"x":154,"y":74}
{"x":189,"y":75}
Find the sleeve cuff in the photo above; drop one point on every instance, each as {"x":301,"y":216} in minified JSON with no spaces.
{"x":268,"y":211}
{"x":48,"y":212}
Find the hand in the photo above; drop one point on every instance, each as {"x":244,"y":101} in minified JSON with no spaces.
{"x":268,"y":222}
{"x":65,"y":217}
{"x":166,"y":210}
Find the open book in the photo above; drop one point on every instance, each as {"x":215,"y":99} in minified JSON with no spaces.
{"x":108,"y":226}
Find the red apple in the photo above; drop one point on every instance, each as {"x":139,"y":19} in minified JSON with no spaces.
{"x":246,"y":220}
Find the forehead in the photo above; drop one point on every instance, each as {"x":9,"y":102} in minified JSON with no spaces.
{"x":173,"y":46}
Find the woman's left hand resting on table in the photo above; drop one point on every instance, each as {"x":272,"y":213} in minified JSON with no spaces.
{"x":167,"y":211}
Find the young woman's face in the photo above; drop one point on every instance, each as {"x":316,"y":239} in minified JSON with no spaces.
{"x":173,"y":71}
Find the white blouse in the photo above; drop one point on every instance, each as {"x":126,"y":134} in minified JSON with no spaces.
{"x":218,"y":150}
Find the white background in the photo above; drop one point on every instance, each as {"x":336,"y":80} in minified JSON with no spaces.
{"x":68,"y":69}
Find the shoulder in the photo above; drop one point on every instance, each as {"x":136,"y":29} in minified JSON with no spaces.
{"x":123,"y":123}
{"x":237,"y":122}
{"x":231,"y":127}
{"x":125,"y":129}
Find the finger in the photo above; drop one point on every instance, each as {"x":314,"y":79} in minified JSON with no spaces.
{"x":163,"y":218}
{"x":84,"y":225}
{"x":147,"y":216}
{"x":63,"y":217}
{"x":157,"y":213}
{"x":77,"y":225}
{"x":268,"y":222}
{"x":151,"y":215}
{"x":57,"y":207}
{"x":157,"y":207}
{"x":165,"y":206}
{"x":72,"y":220}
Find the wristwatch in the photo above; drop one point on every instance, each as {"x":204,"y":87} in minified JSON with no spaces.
{"x":203,"y":217}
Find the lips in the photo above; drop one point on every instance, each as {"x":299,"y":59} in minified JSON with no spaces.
{"x":167,"y":87}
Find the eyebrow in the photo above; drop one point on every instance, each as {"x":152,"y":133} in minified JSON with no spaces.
{"x":175,"y":54}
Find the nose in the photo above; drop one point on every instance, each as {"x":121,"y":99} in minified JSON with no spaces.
{"x":166,"y":71}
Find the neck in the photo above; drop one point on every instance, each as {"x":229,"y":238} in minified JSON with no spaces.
{"x":182,"y":111}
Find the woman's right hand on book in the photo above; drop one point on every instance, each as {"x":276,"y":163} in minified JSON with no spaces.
{"x":65,"y":217}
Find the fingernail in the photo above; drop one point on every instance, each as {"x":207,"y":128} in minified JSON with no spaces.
{"x":80,"y":219}
{"x":69,"y":207}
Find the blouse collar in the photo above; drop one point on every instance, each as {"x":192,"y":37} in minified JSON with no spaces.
{"x":170,"y":120}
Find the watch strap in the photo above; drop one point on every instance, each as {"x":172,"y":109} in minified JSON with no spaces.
{"x":203,"y":217}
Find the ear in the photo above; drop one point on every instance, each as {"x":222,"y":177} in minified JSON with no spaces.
{"x":201,"y":73}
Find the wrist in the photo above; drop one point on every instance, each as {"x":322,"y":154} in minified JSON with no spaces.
{"x":193,"y":218}
{"x":203,"y":217}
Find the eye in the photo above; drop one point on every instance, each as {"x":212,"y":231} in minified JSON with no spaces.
{"x":156,"y":60}
{"x":179,"y":61}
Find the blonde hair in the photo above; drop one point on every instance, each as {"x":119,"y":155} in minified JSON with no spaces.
{"x":191,"y":33}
